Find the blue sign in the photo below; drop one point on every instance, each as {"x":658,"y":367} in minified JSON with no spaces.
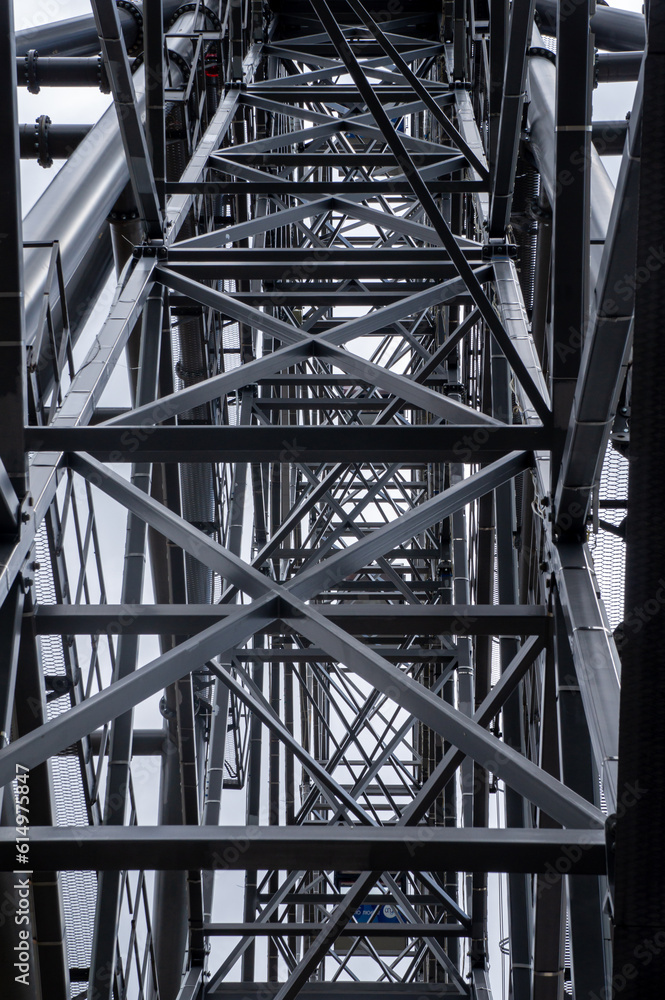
{"x":384,"y":914}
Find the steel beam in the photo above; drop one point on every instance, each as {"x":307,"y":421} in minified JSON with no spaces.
{"x":512,"y":99}
{"x":131,"y":126}
{"x":378,"y":619}
{"x":13,"y":387}
{"x":341,"y":848}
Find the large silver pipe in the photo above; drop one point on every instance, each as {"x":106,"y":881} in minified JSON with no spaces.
{"x":77,"y":36}
{"x":74,"y":208}
{"x":616,"y":30}
{"x":541,"y":117}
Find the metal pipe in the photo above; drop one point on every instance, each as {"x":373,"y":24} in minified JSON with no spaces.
{"x":542,"y":86}
{"x":616,"y":30}
{"x":34,"y":71}
{"x":13,"y":408}
{"x":46,"y":142}
{"x":77,"y":36}
{"x":74,"y":209}
{"x":618,"y":67}
{"x":609,"y":138}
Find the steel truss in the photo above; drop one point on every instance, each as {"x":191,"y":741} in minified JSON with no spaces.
{"x":367,"y":295}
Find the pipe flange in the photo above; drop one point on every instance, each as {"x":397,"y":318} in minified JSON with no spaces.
{"x":166,"y":712}
{"x":41,"y":130}
{"x":102,"y":75}
{"x":134,"y":12}
{"x":31,"y":75}
{"x":541,"y":50}
{"x":187,"y":8}
{"x":182,"y":65}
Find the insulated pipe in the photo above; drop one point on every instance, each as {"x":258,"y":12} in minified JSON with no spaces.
{"x":618,"y":67}
{"x":616,"y":30}
{"x":609,"y":138}
{"x":46,"y":142}
{"x":74,"y":209}
{"x":542,"y":88}
{"x":34,"y":71}
{"x":77,"y":36}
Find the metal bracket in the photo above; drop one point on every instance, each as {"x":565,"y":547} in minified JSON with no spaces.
{"x":498,"y":248}
{"x":151,"y":250}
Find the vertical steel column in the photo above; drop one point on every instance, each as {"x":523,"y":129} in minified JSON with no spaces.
{"x":483,"y":679}
{"x":153,"y":29}
{"x":570,"y":257}
{"x":109,"y":891}
{"x":549,"y":922}
{"x":48,"y":922}
{"x":13,"y":405}
{"x":585,"y":893}
{"x":520,"y":914}
{"x":498,"y":11}
{"x":639,"y":939}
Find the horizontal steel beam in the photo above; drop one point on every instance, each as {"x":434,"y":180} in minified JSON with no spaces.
{"x":371,"y":187}
{"x":174,"y":848}
{"x":407,"y":445}
{"x":311,"y":159}
{"x":376,"y":898}
{"x":365,"y":619}
{"x":337,"y":93}
{"x":336,"y":991}
{"x":374,"y":929}
{"x":290,"y":257}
